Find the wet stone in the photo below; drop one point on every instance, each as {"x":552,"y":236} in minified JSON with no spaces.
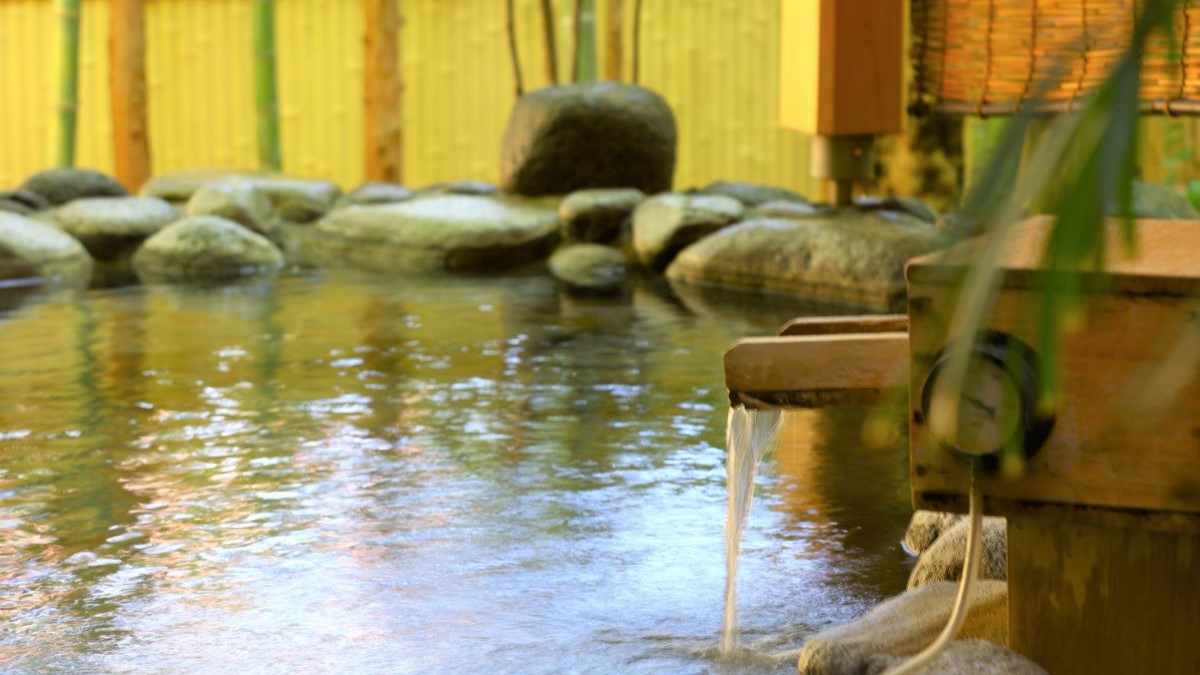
{"x":589,"y":267}
{"x":63,"y":185}
{"x":205,"y":249}
{"x":37,"y":253}
{"x":112,"y":229}
{"x":666,"y":224}
{"x":598,"y":216}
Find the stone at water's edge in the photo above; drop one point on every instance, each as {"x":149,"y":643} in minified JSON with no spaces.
{"x":450,"y":232}
{"x":179,"y":186}
{"x":477,"y":188}
{"x":598,"y":216}
{"x":22,"y":202}
{"x":59,"y":186}
{"x":375,"y":192}
{"x":925,"y":527}
{"x":112,"y":229}
{"x":589,"y":267}
{"x":968,"y":657}
{"x":903,"y":626}
{"x":666,"y":224}
{"x":790,"y":210}
{"x":605,"y":134}
{"x":235,"y":200}
{"x":943,"y":560}
{"x":750,"y":194}
{"x":205,"y":249}
{"x":849,"y":257}
{"x":31,"y":249}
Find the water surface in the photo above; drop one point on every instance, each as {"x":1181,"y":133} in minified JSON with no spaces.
{"x":332,"y":473}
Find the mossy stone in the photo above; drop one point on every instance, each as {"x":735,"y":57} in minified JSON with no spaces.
{"x":31,"y":250}
{"x":62,"y":185}
{"x":205,"y":249}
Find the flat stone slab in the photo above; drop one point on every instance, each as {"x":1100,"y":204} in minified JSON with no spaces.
{"x":38,"y":253}
{"x":444,"y":232}
{"x":848,"y":257}
{"x":204,"y":249}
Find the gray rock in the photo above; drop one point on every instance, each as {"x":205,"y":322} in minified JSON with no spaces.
{"x":925,"y":527}
{"x":1151,"y":200}
{"x":903,"y":626}
{"x":375,"y":193}
{"x":598,"y":216}
{"x":13,"y":206}
{"x":459,"y":187}
{"x":450,"y":232}
{"x":26,"y":199}
{"x":750,"y":194}
{"x":943,"y":560}
{"x":205,"y":249}
{"x":59,"y":186}
{"x":566,"y":138}
{"x":302,"y":210}
{"x":897,"y":209}
{"x":969,"y":657}
{"x":849,"y":258}
{"x":666,"y":224}
{"x":112,"y":229}
{"x":590,"y":267}
{"x":235,"y":200}
{"x":793,"y":210}
{"x":179,"y":186}
{"x":30,"y":249}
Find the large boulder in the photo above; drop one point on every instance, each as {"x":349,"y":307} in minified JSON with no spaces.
{"x":450,"y":232}
{"x":589,"y":267}
{"x":943,"y":560}
{"x":665,"y":225}
{"x":205,"y":249}
{"x":59,"y":186}
{"x":599,"y":215}
{"x":750,"y":194}
{"x":179,"y":186}
{"x":112,"y":229}
{"x":30,"y":250}
{"x":847,"y":257}
{"x":236,"y":200}
{"x":566,"y":138}
{"x":903,"y":626}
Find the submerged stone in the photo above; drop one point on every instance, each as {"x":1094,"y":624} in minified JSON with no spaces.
{"x":62,"y":185}
{"x":450,"y":232}
{"x":598,"y":216}
{"x":35,"y":252}
{"x":112,"y":229}
{"x":590,"y":267}
{"x":605,"y":134}
{"x":205,"y":249}
{"x":848,"y":257}
{"x":666,"y":224}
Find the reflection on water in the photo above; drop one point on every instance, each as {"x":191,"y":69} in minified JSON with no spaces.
{"x":394,"y":476}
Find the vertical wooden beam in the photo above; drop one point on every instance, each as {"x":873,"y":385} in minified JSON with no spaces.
{"x":127,"y":84}
{"x":382,"y":89}
{"x":613,"y":40}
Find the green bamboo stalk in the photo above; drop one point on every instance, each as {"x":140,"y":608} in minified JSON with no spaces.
{"x":585,"y":40}
{"x":270,"y":156}
{"x":69,"y":14}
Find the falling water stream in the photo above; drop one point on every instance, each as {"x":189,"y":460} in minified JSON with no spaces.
{"x":750,"y":435}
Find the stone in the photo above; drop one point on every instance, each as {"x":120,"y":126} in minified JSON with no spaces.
{"x":969,"y":657}
{"x":459,"y":187}
{"x":598,"y":216}
{"x":594,"y":135}
{"x":925,"y":527}
{"x":903,"y":626}
{"x":448,"y":232}
{"x":896,"y":208}
{"x":791,"y":209}
{"x":25,"y":198}
{"x":375,"y":193}
{"x":62,"y":185}
{"x":665,"y":224}
{"x":589,"y":267}
{"x":112,"y":229}
{"x":943,"y":560}
{"x":750,"y":194}
{"x":302,"y":210}
{"x":235,"y":200}
{"x":204,"y":249}
{"x":179,"y":186}
{"x":848,"y":257}
{"x":1151,"y":200}
{"x":32,"y":250}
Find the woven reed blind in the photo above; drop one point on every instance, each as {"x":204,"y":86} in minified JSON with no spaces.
{"x":988,"y":57}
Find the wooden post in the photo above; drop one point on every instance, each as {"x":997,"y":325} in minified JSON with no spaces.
{"x":69,"y":16}
{"x":613,"y":40}
{"x":382,"y":89}
{"x":127,"y":49}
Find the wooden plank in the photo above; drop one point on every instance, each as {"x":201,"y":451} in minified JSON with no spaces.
{"x":1095,"y":599}
{"x":833,"y":325}
{"x":127,"y":91}
{"x":382,"y":90}
{"x":1127,"y":431}
{"x":817,"y":370}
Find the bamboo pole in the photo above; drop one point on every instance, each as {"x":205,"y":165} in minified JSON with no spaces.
{"x":637,"y":39}
{"x":585,"y":41}
{"x":549,"y":46}
{"x":383,"y":88}
{"x":127,"y":50}
{"x":576,"y":21}
{"x":515,"y":56}
{"x":613,"y":41}
{"x":265,"y":89}
{"x":69,"y":14}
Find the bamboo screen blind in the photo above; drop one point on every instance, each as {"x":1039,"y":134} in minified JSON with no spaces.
{"x":989,"y":57}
